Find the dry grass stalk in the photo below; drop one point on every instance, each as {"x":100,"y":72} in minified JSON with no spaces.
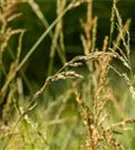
{"x":87,"y":39}
{"x":121,"y":124}
{"x":8,"y":12}
{"x":58,"y":38}
{"x":104,"y":67}
{"x":88,"y":121}
{"x":56,"y":77}
{"x":13,"y":65}
{"x":88,"y":25}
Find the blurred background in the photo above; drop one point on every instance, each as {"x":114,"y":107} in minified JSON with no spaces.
{"x":38,"y":63}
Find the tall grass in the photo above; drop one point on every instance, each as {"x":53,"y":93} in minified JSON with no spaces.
{"x":92,"y":112}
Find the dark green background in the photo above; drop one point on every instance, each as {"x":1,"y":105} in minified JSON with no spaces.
{"x":36,"y":67}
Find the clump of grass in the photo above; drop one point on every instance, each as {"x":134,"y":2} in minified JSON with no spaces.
{"x":86,"y":101}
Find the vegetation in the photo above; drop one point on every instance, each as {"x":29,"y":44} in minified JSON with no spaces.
{"x":86,"y":103}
